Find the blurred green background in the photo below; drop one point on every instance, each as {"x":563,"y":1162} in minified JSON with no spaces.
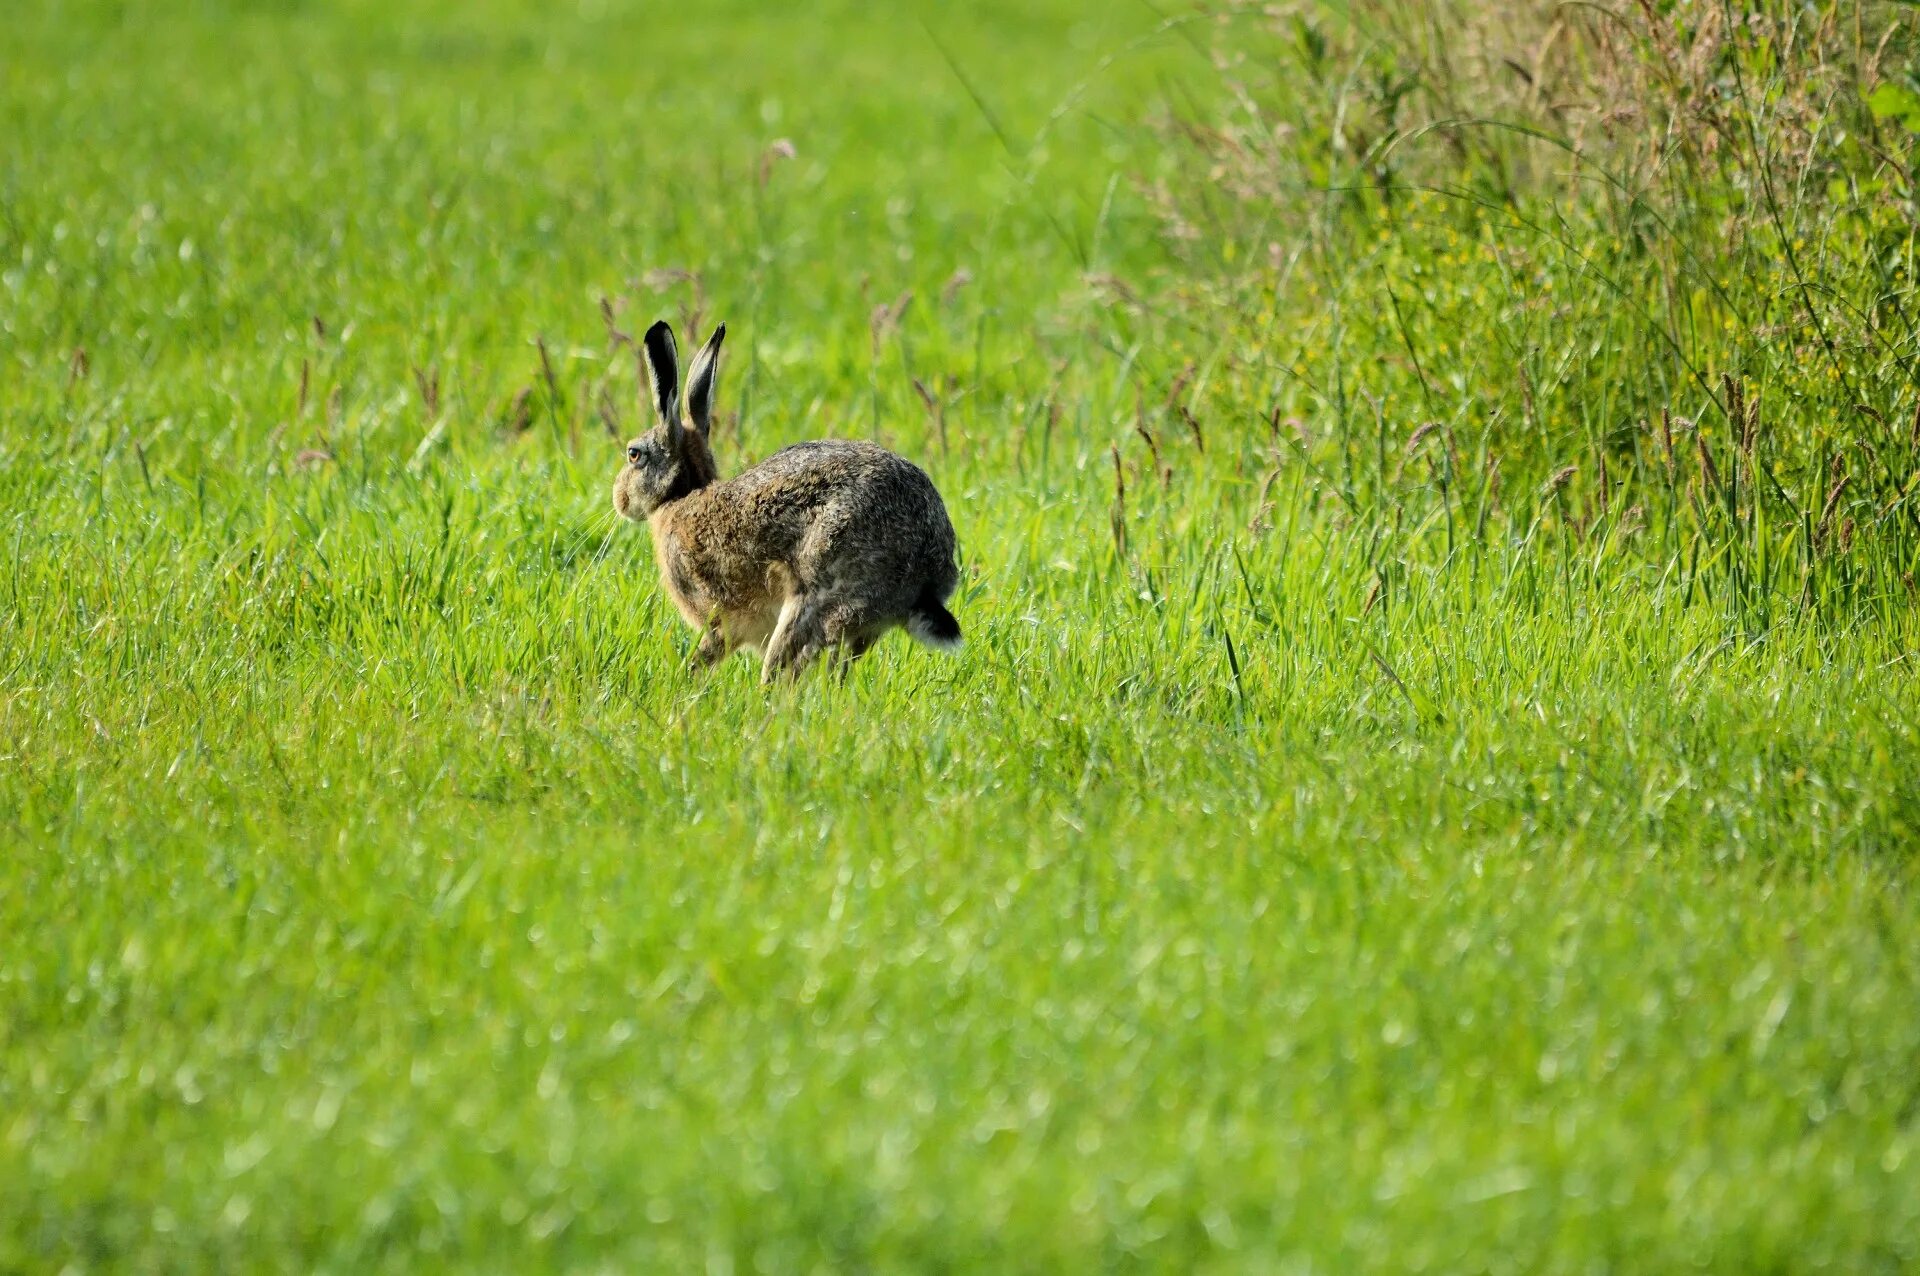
{"x":380,"y":892}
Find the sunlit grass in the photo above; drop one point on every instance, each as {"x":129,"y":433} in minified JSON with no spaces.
{"x":1306,"y":886}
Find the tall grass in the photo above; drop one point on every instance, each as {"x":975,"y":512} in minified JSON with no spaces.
{"x":1636,"y":286}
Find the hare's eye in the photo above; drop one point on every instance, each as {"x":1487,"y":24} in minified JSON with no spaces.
{"x":633,"y":454}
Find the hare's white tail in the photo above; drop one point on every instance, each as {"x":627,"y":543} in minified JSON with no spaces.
{"x":932,"y":625}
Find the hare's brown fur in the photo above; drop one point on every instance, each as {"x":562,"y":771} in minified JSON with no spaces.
{"x":823,"y":546}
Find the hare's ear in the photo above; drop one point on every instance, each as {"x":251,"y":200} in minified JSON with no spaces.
{"x":663,"y":372}
{"x":700,"y":382}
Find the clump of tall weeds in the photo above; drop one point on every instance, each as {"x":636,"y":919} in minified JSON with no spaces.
{"x":1635,"y":283}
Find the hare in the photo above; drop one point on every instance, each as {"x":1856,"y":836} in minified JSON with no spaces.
{"x":823,"y":546}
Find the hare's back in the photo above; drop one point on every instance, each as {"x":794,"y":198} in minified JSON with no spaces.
{"x":805,"y":479}
{"x":831,"y":462}
{"x":833,"y":498}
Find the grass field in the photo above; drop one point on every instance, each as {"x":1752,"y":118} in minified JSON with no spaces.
{"x":1344,"y":846}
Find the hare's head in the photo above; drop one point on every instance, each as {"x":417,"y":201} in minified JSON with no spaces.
{"x":672,"y":459}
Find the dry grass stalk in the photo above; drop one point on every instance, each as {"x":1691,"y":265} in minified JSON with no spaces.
{"x":886,"y":317}
{"x":554,"y":397}
{"x":936,"y":408}
{"x":957,"y":281}
{"x":1707,"y":466}
{"x":427,"y":380}
{"x":1193,"y":425}
{"x":609,"y":412}
{"x":778,"y":149}
{"x":1831,"y":504}
{"x":1153,"y":446}
{"x":609,"y":316}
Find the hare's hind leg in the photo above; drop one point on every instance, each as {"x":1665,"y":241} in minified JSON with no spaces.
{"x":795,"y":639}
{"x":820,"y":625}
{"x":791,"y":627}
{"x":851,"y":647}
{"x":848,"y":629}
